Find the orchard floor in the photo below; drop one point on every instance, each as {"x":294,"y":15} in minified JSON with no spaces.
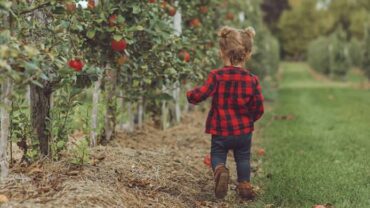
{"x":316,"y":138}
{"x":148,"y":168}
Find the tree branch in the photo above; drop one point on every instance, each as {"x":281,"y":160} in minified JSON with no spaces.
{"x":35,"y":8}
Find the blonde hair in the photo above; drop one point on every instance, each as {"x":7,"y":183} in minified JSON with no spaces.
{"x":236,"y":44}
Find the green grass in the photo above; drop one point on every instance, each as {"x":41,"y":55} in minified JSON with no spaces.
{"x":321,"y":156}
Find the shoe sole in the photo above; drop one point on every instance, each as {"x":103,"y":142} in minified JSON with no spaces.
{"x":222,"y":186}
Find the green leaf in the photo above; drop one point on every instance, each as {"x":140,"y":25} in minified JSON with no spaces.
{"x":91,"y":34}
{"x":135,"y":83}
{"x":60,"y":144}
{"x":120,"y":19}
{"x":136,"y":9}
{"x":147,"y":81}
{"x":139,"y":28}
{"x":44,"y":77}
{"x":117,"y":37}
{"x":36,"y":83}
{"x":171,"y":71}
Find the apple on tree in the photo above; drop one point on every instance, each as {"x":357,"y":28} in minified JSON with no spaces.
{"x":171,"y":11}
{"x":164,"y":4}
{"x":76,"y":64}
{"x":91,"y":4}
{"x":184,"y":56}
{"x":119,"y":45}
{"x":230,"y":16}
{"x":112,"y":20}
{"x":195,"y":22}
{"x":121,"y":60}
{"x":203,"y":9}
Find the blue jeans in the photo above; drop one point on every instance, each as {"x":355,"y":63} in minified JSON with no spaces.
{"x":241,"y":145}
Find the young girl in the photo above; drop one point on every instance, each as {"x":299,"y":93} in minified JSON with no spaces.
{"x":236,"y":104}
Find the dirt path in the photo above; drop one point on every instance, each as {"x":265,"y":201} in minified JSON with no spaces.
{"x":149,"y":168}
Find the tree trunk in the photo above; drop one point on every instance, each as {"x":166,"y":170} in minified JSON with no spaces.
{"x":94,"y":113}
{"x":177,"y":25}
{"x":110,"y":117}
{"x":6,"y":90}
{"x":164,"y":122}
{"x":140,"y":112}
{"x":130,"y":117}
{"x":40,"y":114}
{"x":164,"y":111}
{"x":176,"y":96}
{"x":126,"y":106}
{"x":177,"y":19}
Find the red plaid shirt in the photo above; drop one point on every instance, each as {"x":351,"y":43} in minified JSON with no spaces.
{"x":236,"y":104}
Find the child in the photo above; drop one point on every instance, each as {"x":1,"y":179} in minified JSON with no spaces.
{"x":236,"y":104}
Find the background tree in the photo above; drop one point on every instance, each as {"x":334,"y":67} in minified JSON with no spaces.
{"x":351,"y":16}
{"x":300,"y":25}
{"x":366,"y":52}
{"x":272,"y":11}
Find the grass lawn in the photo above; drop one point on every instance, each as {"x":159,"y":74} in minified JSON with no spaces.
{"x":322,"y":155}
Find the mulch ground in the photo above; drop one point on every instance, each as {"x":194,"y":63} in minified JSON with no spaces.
{"x":147,"y":168}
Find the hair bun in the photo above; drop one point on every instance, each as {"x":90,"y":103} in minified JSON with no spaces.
{"x":224,"y":31}
{"x":250,"y":31}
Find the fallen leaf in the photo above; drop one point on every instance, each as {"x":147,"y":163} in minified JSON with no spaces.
{"x":3,"y":199}
{"x":35,"y":170}
{"x":284,"y":117}
{"x":261,"y":152}
{"x":73,"y":172}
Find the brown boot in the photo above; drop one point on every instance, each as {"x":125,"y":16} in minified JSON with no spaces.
{"x":245,"y":190}
{"x":222,"y":181}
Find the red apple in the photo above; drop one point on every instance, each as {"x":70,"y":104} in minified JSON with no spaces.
{"x":171,"y":11}
{"x":151,"y":1}
{"x":230,"y":16}
{"x":207,"y":160}
{"x":164,"y":4}
{"x":319,"y":206}
{"x":91,"y":4}
{"x":122,"y":60}
{"x":203,"y":9}
{"x":195,"y":22}
{"x":112,"y":20}
{"x":76,"y":64}
{"x":118,"y":45}
{"x":184,"y":56}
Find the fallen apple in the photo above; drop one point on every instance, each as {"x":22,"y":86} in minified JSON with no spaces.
{"x":207,"y":160}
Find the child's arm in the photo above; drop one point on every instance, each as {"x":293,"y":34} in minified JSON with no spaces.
{"x":257,"y":101}
{"x":199,"y":94}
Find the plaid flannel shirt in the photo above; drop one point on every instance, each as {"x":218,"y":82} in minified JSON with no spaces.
{"x":236,"y":104}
